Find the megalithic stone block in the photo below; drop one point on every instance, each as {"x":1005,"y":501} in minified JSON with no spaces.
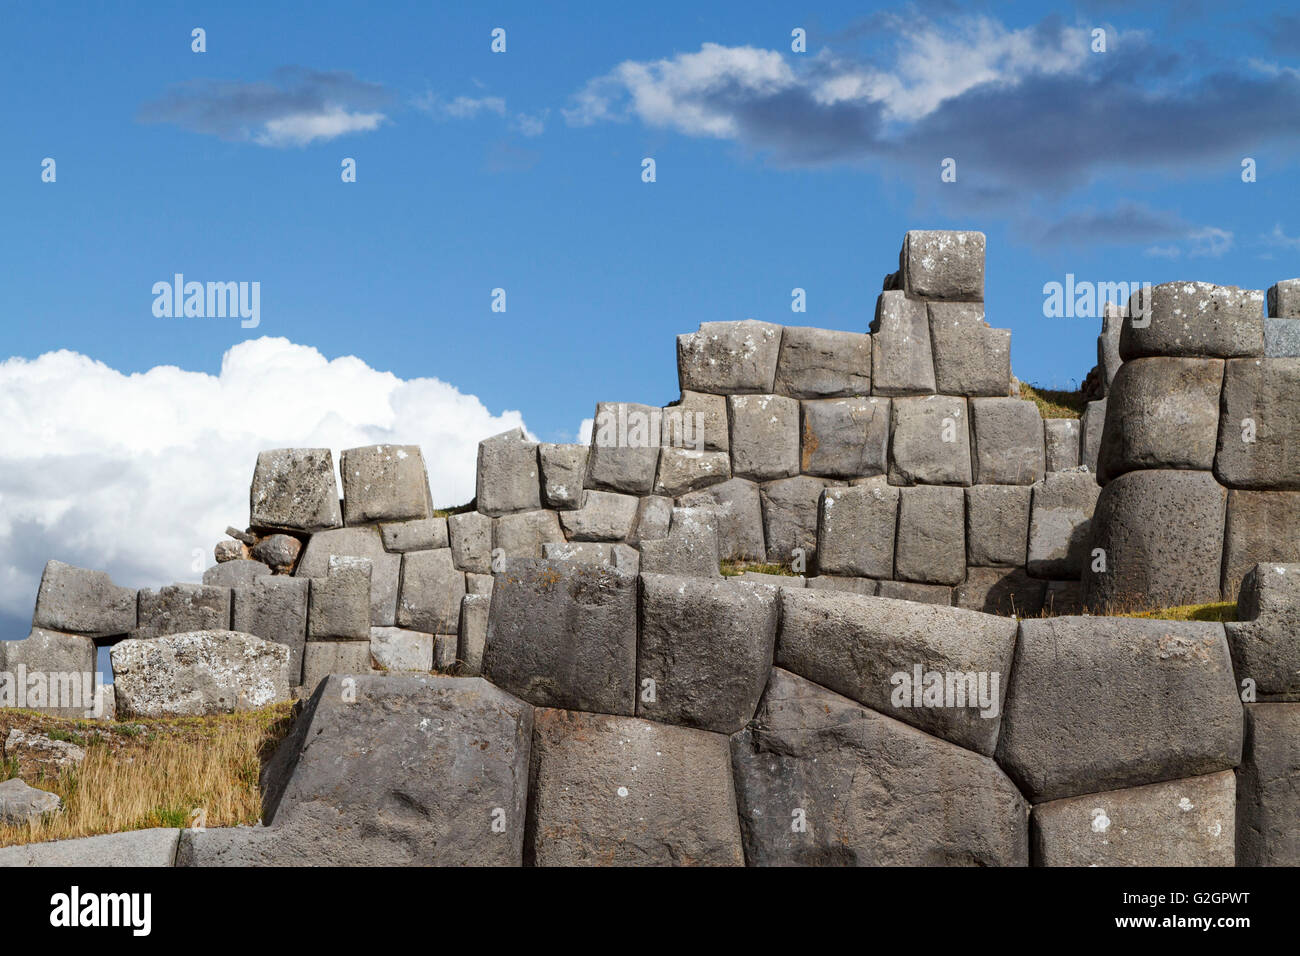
{"x":1060,"y":524}
{"x":471,"y":541}
{"x":1005,"y":591}
{"x":764,"y":436}
{"x":1282,"y":338}
{"x":1263,"y":639}
{"x":83,"y":602}
{"x":604,"y":516}
{"x":739,"y":511}
{"x":970,"y":357}
{"x":1284,"y":299}
{"x":178,"y":608}
{"x":1260,"y":526}
{"x":1268,"y":787}
{"x":564,"y":470}
{"x":930,"y":443}
{"x":294,"y":489}
{"x":790,"y":517}
{"x":339,"y":607}
{"x":820,"y":363}
{"x":525,"y":533}
{"x":1008,"y":441}
{"x":432,"y":588}
{"x":1061,"y":441}
{"x":845,"y":437}
{"x":691,"y":546}
{"x":901,"y":359}
{"x":682,"y":470}
{"x":931,"y":545}
{"x":943,"y":264}
{"x":698,"y":422}
{"x":1259,"y":432}
{"x":508,"y":474}
{"x":48,"y":654}
{"x":360,"y":542}
{"x":1193,"y":320}
{"x":1092,"y":425}
{"x":420,"y":534}
{"x":384,"y":483}
{"x":274,"y":608}
{"x":855,"y":531}
{"x":729,"y":357}
{"x":997,"y":525}
{"x":1113,"y":317}
{"x":624,"y":450}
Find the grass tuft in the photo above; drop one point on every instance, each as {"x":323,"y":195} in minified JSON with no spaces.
{"x":1053,"y":402}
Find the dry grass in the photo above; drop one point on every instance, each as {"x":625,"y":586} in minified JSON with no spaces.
{"x":731,"y":568}
{"x":1219,"y":611}
{"x":151,"y":773}
{"x":1054,"y":403}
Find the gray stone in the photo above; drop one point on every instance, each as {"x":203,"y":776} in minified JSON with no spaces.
{"x":1169,"y":709}
{"x":901,"y":362}
{"x":564,"y":633}
{"x":604,"y":516}
{"x":832,"y":582}
{"x":790,"y":509}
{"x":229,"y":551}
{"x":1161,"y":413}
{"x":278,"y":551}
{"x":1108,"y":360}
{"x":136,"y":848}
{"x":421,"y":534}
{"x":275,"y":609}
{"x":930,"y":442}
{"x":970,"y":357}
{"x":237,"y":573}
{"x":471,"y":541}
{"x":931,"y":547}
{"x":35,"y":755}
{"x":1063,"y":597}
{"x":1005,"y":591}
{"x":618,"y":791}
{"x":507,"y":476}
{"x":473,"y":632}
{"x":339,"y":607}
{"x":706,"y":644}
{"x":199,"y":673}
{"x":855,"y":531}
{"x":845,"y":437}
{"x":764,"y":436}
{"x":1092,"y":425}
{"x":1261,"y":401}
{"x":243,"y":537}
{"x":432,"y":587}
{"x":293,"y":489}
{"x":1186,"y":822}
{"x":997,"y":525}
{"x":1008,"y":441}
{"x":820,"y":363}
{"x":65,"y":661}
{"x":444,"y":652}
{"x":525,"y":533}
{"x":1282,"y":338}
{"x":624,"y":449}
{"x":682,"y":471}
{"x":654,"y":516}
{"x":739,"y":511}
{"x":83,"y":602}
{"x":587,"y":552}
{"x":1060,"y":524}
{"x":871,"y":649}
{"x":21,"y":804}
{"x":178,"y":608}
{"x":564,"y":469}
{"x":772,"y":580}
{"x":389,"y":770}
{"x":398,"y":649}
{"x":1284,"y":299}
{"x":869,"y":789}
{"x":358,"y":543}
{"x":1061,"y":438}
{"x":697,"y":421}
{"x":729,"y":357}
{"x":1161,"y":533}
{"x":918,"y":593}
{"x":691,"y":546}
{"x":1261,"y":526}
{"x":1263,"y":638}
{"x":322,"y":658}
{"x":478,"y":583}
{"x":1194,"y":319}
{"x":943,"y":264}
{"x":1268,"y":787}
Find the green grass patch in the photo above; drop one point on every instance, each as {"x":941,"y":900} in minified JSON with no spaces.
{"x":1053,"y":402}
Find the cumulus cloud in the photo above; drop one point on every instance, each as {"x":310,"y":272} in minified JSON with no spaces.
{"x":295,"y":107}
{"x":140,"y":474}
{"x":470,"y":107}
{"x":1136,"y":224}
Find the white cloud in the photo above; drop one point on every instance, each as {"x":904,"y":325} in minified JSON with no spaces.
{"x":133,"y":474}
{"x":303,"y":128}
{"x":462,"y":107}
{"x":1204,"y":242}
{"x":1279,"y":238}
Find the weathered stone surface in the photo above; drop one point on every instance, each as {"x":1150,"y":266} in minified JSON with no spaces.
{"x":1194,"y":319}
{"x":562,"y":633}
{"x":564,"y":469}
{"x":1284,"y":299}
{"x":229,"y":551}
{"x":790,"y":508}
{"x":471,"y":541}
{"x":1113,"y":316}
{"x":845,"y":437}
{"x":931,"y":442}
{"x":156,"y":847}
{"x":772,"y":580}
{"x":691,"y":546}
{"x":1186,"y":822}
{"x":729,"y":357}
{"x":507,"y":477}
{"x":275,"y":609}
{"x":524,"y":534}
{"x":901,"y":362}
{"x":398,"y":649}
{"x":833,"y":582}
{"x":1161,"y":533}
{"x":1161,"y":413}
{"x":970,"y":358}
{"x":78,"y":601}
{"x":943,"y":264}
{"x":278,"y":551}
{"x":654,"y":517}
{"x":1061,"y":441}
{"x":333,"y":797}
{"x":367,"y":543}
{"x":697,"y":421}
{"x":1063,"y":597}
{"x":66,"y":662}
{"x":604,"y":516}
{"x":338,"y":606}
{"x":1263,"y":639}
{"x":1261,"y":401}
{"x":588,"y":552}
{"x":706,"y":643}
{"x":473,"y":632}
{"x":35,"y":755}
{"x":21,"y":804}
{"x":420,"y":534}
{"x":869,"y":649}
{"x":478,"y":584}
{"x":322,"y":658}
{"x":931,"y":545}
{"x":1060,"y":524}
{"x":432,"y":587}
{"x":294,"y":489}
{"x":820,"y":363}
{"x":1092,"y":425}
{"x":624,"y":450}
{"x":855,"y":531}
{"x":1260,"y":526}
{"x":618,"y":791}
{"x":444,"y":652}
{"x":1282,"y":338}
{"x":1006,"y":591}
{"x":919,"y":593}
{"x":997,"y":525}
{"x":870,"y":790}
{"x":1008,"y":441}
{"x":682,"y":470}
{"x":236,"y":573}
{"x":1170,"y":707}
{"x":1268,"y":787}
{"x":739,"y":511}
{"x":200,"y":673}
{"x":183,"y":607}
{"x":764,"y":436}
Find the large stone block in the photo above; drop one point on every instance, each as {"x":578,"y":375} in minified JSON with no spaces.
{"x":654,"y":518}
{"x":471,"y":541}
{"x":706,"y":644}
{"x":618,"y":791}
{"x":739,"y":511}
{"x":63,"y":666}
{"x":384,"y":483}
{"x":1259,"y":435}
{"x":970,"y":357}
{"x":473,"y":632}
{"x":83,"y":602}
{"x":363,"y":542}
{"x":1195,"y":320}
{"x":178,"y":608}
{"x":931,"y":545}
{"x":1006,"y":591}
{"x":997,"y":525}
{"x":820,"y":363}
{"x":832,"y":582}
{"x":21,"y":804}
{"x":790,"y":508}
{"x":1263,"y":639}
{"x":294,"y":489}
{"x":274,"y":608}
{"x":1113,"y":316}
{"x":1008,"y":441}
{"x":240,"y":572}
{"x":1161,"y":413}
{"x":682,"y":470}
{"x":320,"y":659}
{"x":564,"y":471}
{"x":729,"y":357}
{"x":845,"y":437}
{"x":764,"y":436}
{"x":137,"y":848}
{"x":604,"y":516}
{"x":1161,"y":536}
{"x":432,"y":587}
{"x":867,"y":789}
{"x":1268,"y":787}
{"x":943,"y":264}
{"x":1260,"y":526}
{"x":1169,"y":707}
{"x":507,"y":478}
{"x":1185,"y":822}
{"x":1092,"y":425}
{"x":399,"y":649}
{"x":1061,"y":441}
{"x":199,"y":673}
{"x":918,"y":593}
{"x":624,"y":450}
{"x":1282,"y":338}
{"x":420,"y":534}
{"x":562,"y":633}
{"x":1284,"y":299}
{"x":1060,"y":524}
{"x":901,"y":360}
{"x":855,"y":531}
{"x":690,"y":547}
{"x":930,"y":442}
{"x":524,"y":534}
{"x":884,"y":653}
{"x":339,"y":605}
{"x":698,"y":421}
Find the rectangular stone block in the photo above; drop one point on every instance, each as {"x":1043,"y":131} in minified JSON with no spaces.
{"x":764,"y":436}
{"x":604,"y":516}
{"x":654,"y":515}
{"x":739,"y":511}
{"x":384,"y":483}
{"x":1194,"y":320}
{"x":1161,"y":413}
{"x":1260,"y":526}
{"x":473,"y":632}
{"x":1268,"y":787}
{"x":64,"y":669}
{"x":432,"y":588}
{"x":943,"y":264}
{"x":682,"y":471}
{"x":471,"y":541}
{"x":845,"y":437}
{"x":931,"y":545}
{"x":821,"y":363}
{"x":1263,"y":638}
{"x":1092,"y":424}
{"x":729,"y":357}
{"x":1282,"y":338}
{"x":1060,"y":524}
{"x":790,"y":508}
{"x":997,"y":525}
{"x":274,"y":608}
{"x":522,"y":535}
{"x":624,"y":452}
{"x":1008,"y":446}
{"x":178,"y":608}
{"x":78,"y":601}
{"x":294,"y":489}
{"x":421,"y":534}
{"x":918,"y":593}
{"x":322,"y":658}
{"x":1061,"y":438}
{"x":507,"y":479}
{"x":1284,"y":299}
{"x":444,"y":652}
{"x":691,"y":546}
{"x":564,"y":470}
{"x":1006,"y":591}
{"x":340,"y":601}
{"x":399,"y":649}
{"x":360,"y":542}
{"x":970,"y":357}
{"x":698,"y":421}
{"x":901,"y":360}
{"x":855,"y":531}
{"x":1259,"y":432}
{"x":930,"y":442}
{"x":834,"y":582}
